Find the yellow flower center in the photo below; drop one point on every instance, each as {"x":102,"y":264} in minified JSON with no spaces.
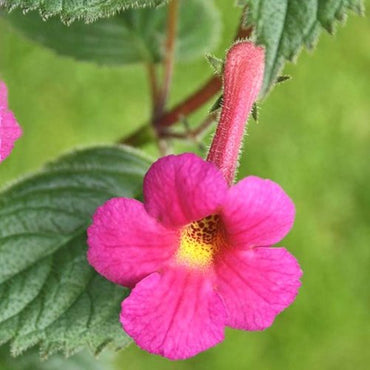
{"x":200,"y":241}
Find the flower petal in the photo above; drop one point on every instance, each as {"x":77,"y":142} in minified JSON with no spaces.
{"x":10,"y":130}
{"x":257,"y":212}
{"x":176,"y":314}
{"x":256,"y":285}
{"x":179,"y":189}
{"x":126,"y":244}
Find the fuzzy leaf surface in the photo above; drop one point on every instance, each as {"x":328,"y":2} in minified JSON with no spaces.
{"x":285,"y":26}
{"x":49,"y":294}
{"x":68,"y":11}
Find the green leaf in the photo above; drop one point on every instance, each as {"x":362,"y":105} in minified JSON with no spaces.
{"x":282,"y":78}
{"x":88,"y":10}
{"x":31,"y":361}
{"x":216,"y":64}
{"x":49,"y":295}
{"x":131,"y":37}
{"x":285,"y":26}
{"x":255,"y":112}
{"x":217,"y":105}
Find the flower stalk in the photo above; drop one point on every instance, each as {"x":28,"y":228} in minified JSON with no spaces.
{"x":168,"y":63}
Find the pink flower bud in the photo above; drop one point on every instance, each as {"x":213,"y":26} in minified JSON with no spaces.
{"x":242,"y":82}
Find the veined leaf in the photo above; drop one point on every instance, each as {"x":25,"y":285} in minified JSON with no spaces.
{"x":134,"y":36}
{"x":285,"y":26}
{"x":88,"y":10}
{"x":49,"y":295}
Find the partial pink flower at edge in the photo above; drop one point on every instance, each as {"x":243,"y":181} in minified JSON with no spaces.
{"x":197,"y":255}
{"x":10,"y":131}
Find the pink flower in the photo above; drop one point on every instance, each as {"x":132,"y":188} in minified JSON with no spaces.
{"x":10,"y":131}
{"x":197,"y":252}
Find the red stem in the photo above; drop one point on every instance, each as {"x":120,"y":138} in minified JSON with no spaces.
{"x":186,"y":107}
{"x":193,"y":102}
{"x":173,"y":8}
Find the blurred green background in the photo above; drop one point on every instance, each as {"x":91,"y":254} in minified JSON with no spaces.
{"x":313,"y":138}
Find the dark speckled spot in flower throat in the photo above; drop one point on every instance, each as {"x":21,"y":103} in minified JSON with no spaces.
{"x":200,"y":241}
